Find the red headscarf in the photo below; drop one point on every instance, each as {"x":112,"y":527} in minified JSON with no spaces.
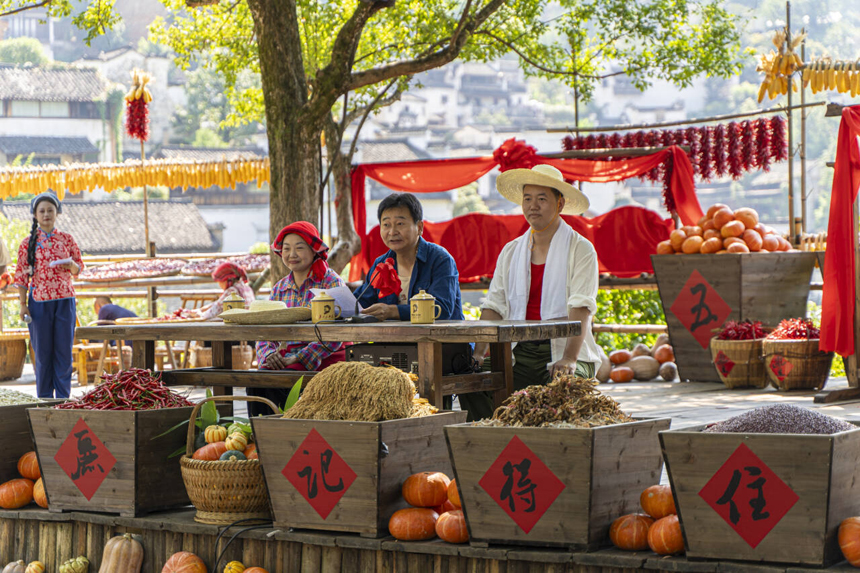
{"x":228,"y":272}
{"x":308,"y":232}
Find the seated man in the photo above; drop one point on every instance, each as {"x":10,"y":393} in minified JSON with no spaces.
{"x":107,"y":312}
{"x":549,"y":272}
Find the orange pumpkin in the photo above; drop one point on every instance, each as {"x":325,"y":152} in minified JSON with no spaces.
{"x":712,"y":210}
{"x":732,"y":229}
{"x":454,"y":494}
{"x":620,"y":356}
{"x":784,"y":245}
{"x":709,"y":226}
{"x":251,"y":452}
{"x":445,"y":507}
{"x":621,"y":374}
{"x":184,"y":562}
{"x":39,"y":494}
{"x":413,"y":524}
{"x":738,"y":248}
{"x":426,"y":489}
{"x":664,"y":353}
{"x":255,"y":570}
{"x":752,"y":239}
{"x":692,"y":244}
{"x":747,"y":216}
{"x":723,"y":217}
{"x":692,"y":231}
{"x":770,"y":243}
{"x":664,"y":537}
{"x":665,"y":248}
{"x":657,"y":501}
{"x":677,"y":238}
{"x":712,"y":234}
{"x":730,"y":241}
{"x":16,"y":493}
{"x":451,"y":527}
{"x":711,"y":245}
{"x":28,"y":466}
{"x":849,"y":540}
{"x":761,"y":230}
{"x":210,"y":452}
{"x":702,"y":221}
{"x":630,"y":532}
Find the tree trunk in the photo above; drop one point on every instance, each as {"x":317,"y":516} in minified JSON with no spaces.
{"x":348,"y":242}
{"x":293,"y":132}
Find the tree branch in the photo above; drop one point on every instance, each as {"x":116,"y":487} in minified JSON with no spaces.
{"x":376,"y":104}
{"x":25,"y":8}
{"x":531,"y":62}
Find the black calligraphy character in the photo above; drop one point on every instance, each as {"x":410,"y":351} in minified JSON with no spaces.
{"x":87,"y":456}
{"x":526,"y":493}
{"x":308,"y":472}
{"x":758,"y":503}
{"x":701,"y":307}
{"x":728,"y":497}
{"x":325,"y":460}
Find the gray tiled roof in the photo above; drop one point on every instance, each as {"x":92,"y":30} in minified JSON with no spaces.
{"x":25,"y":145}
{"x":102,"y":227}
{"x":46,"y":84}
{"x":390,"y":151}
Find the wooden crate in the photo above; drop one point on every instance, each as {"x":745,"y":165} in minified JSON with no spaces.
{"x":141,"y":478}
{"x":820,"y":470}
{"x":16,"y":429}
{"x":372,"y":458}
{"x":757,"y":286}
{"x":599,"y":476}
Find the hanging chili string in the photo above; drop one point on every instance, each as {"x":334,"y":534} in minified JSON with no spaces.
{"x":706,"y":168}
{"x":718,"y":152}
{"x":668,"y":198}
{"x":748,"y":158}
{"x":693,"y":137}
{"x":736,"y":168}
{"x":778,"y":143}
{"x":762,"y":142}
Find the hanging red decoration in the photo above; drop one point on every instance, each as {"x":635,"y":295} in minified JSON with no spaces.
{"x":748,"y":158}
{"x":706,"y":167}
{"x":693,"y":135}
{"x":778,"y":143}
{"x":615,"y":141}
{"x":137,"y":106}
{"x":668,"y":198}
{"x":762,"y":143}
{"x":601,"y":141}
{"x":736,"y":168}
{"x":718,"y":152}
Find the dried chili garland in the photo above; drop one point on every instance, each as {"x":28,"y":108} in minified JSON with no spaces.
{"x":133,"y":389}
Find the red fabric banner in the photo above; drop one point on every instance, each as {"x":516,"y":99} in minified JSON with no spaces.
{"x":837,"y":313}
{"x":446,"y":174}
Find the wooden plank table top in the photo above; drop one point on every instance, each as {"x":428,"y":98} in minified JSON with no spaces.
{"x":388,"y":331}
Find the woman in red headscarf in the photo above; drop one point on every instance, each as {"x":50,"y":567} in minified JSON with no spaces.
{"x":300,"y":247}
{"x":232,"y":280}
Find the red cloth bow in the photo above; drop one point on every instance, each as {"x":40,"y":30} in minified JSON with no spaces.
{"x":386,"y":279}
{"x":513,"y":154}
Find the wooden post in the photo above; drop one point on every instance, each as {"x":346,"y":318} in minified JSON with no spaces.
{"x":430,"y":372}
{"x":802,"y":144}
{"x":151,"y":293}
{"x":791,"y":235}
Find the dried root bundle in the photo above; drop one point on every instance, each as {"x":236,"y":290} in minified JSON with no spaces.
{"x":357,"y":392}
{"x":567,"y":401}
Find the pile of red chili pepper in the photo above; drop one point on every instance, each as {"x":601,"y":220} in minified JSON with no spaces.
{"x":133,"y":389}
{"x":745,"y":330}
{"x":795,"y":329}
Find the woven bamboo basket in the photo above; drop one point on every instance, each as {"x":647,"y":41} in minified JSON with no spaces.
{"x":13,"y":354}
{"x":796,"y":364}
{"x":224,"y":492}
{"x":739,"y":363}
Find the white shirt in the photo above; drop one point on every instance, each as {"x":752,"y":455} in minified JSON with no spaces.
{"x":581,"y":290}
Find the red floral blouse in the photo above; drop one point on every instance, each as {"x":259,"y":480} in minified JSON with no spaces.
{"x":48,"y":283}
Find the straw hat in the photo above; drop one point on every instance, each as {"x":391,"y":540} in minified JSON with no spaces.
{"x":266,"y":312}
{"x":510,"y":185}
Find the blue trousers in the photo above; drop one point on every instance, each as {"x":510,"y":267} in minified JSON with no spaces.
{"x":52,"y":334}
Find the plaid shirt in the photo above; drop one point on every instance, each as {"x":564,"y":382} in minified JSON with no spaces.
{"x":312,"y":354}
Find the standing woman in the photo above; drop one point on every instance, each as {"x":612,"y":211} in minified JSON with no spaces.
{"x":47,"y":295}
{"x":232,"y":279}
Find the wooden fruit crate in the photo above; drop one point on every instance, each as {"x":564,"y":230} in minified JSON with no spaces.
{"x":15,"y":427}
{"x":359,"y":488}
{"x":583,"y":479}
{"x":809,"y":487}
{"x":700,"y":292}
{"x":108,"y":461}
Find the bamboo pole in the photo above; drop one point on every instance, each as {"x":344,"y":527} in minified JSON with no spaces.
{"x":803,"y":222}
{"x":609,"y":152}
{"x":792,"y":232}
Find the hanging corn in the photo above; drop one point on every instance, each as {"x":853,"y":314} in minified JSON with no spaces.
{"x":136,"y":108}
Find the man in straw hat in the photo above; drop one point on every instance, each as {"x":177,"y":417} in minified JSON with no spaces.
{"x":549,"y":272}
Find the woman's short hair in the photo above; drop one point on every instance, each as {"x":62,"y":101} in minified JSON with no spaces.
{"x":407,"y":200}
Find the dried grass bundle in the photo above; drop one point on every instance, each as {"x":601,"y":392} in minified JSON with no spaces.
{"x":566,"y":402}
{"x":421,"y":407}
{"x":357,"y":392}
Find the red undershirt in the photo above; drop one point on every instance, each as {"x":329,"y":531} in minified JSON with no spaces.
{"x":535,"y":290}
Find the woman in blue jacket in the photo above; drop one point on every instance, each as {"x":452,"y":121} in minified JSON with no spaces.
{"x":419,"y":265}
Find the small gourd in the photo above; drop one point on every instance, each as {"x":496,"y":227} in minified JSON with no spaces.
{"x":239,"y":427}
{"x":15,"y":567}
{"x":236,"y":441}
{"x":234,"y":567}
{"x":77,"y":565}
{"x":122,"y":554}
{"x":232,"y":456}
{"x":215,"y":434}
{"x":35,"y":567}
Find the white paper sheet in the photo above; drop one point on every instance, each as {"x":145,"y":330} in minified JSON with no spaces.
{"x":60,"y":262}
{"x":343,"y":297}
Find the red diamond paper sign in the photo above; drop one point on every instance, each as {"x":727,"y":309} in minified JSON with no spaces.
{"x":318,"y":473}
{"x":748,"y":495}
{"x":521,"y":484}
{"x":723,"y":363}
{"x":780,"y":366}
{"x":700,"y":308}
{"x":85,"y":459}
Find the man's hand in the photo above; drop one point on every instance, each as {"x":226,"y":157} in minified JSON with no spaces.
{"x":275,"y":361}
{"x":383,"y":311}
{"x":563,"y":366}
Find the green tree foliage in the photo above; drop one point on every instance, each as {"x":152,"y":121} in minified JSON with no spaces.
{"x":468,"y":201}
{"x":23,"y":51}
{"x":627,"y":307}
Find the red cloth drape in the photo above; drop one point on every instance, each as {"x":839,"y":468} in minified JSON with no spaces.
{"x":447,"y":174}
{"x":837,"y":313}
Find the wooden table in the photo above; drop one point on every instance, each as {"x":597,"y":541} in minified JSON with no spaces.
{"x":429,"y":338}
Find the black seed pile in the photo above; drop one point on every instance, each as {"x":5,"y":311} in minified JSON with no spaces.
{"x":782,"y":419}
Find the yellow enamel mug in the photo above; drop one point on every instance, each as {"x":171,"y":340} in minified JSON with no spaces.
{"x":424,"y":309}
{"x":323,"y":308}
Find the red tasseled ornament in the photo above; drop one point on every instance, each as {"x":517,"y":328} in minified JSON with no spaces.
{"x":568,"y":143}
{"x":778,"y":143}
{"x":706,"y":168}
{"x":748,"y":158}
{"x":668,"y":199}
{"x":736,"y":168}
{"x":137,"y":119}
{"x":615,"y":141}
{"x":721,"y":166}
{"x":692,"y":136}
{"x":762,"y":144}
